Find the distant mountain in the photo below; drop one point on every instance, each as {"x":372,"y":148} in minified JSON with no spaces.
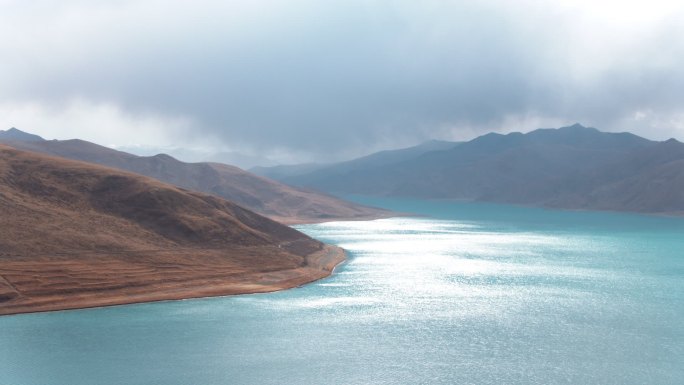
{"x":320,"y":173}
{"x":273,"y":199}
{"x":15,"y":134}
{"x":571,"y":167}
{"x":76,"y":234}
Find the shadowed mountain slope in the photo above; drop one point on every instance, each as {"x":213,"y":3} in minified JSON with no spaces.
{"x":273,"y":199}
{"x":78,"y":235}
{"x":572,"y":167}
{"x":650,"y":180}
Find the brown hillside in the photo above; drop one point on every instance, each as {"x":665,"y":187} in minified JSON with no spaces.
{"x":276,"y":200}
{"x":78,"y":235}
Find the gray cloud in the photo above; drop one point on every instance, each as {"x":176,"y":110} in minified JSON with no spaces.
{"x":305,"y":79}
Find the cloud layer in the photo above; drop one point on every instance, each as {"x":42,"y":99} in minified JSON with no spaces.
{"x":299,"y":80}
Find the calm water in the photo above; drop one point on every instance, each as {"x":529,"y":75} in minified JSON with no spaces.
{"x":472,"y":294}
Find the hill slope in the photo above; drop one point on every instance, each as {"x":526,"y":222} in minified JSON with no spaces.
{"x":270,"y":198}
{"x":77,"y":235}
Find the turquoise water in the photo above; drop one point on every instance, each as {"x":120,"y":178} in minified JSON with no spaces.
{"x":468,"y":294}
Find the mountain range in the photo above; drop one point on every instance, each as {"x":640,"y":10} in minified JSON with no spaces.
{"x":572,"y":167}
{"x":276,"y":200}
{"x":76,"y":235}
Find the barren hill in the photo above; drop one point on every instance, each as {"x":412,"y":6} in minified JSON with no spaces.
{"x":276,"y":200}
{"x":78,"y":235}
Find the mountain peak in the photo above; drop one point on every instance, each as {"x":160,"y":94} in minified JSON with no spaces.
{"x":578,"y":127}
{"x":163,"y":156}
{"x":15,"y":134}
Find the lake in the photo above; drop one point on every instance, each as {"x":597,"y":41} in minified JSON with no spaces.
{"x":464,"y":294}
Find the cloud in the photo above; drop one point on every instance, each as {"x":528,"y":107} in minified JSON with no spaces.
{"x":307,"y":79}
{"x":102,"y":123}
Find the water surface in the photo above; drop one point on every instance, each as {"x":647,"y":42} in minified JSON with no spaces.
{"x":470,"y":294}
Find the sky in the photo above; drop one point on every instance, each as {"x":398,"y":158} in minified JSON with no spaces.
{"x":309,"y":80}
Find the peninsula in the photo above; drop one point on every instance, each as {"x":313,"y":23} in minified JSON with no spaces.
{"x":78,"y":235}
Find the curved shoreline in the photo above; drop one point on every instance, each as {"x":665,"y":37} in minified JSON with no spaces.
{"x":317,"y":265}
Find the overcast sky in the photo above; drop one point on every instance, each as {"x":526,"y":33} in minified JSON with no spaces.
{"x":304,"y":80}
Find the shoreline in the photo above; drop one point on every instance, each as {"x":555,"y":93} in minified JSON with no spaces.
{"x":542,"y":206}
{"x":316,"y":266}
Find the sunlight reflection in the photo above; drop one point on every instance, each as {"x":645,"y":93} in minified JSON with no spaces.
{"x":414,"y":264}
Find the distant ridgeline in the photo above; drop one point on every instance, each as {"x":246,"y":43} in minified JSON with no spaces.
{"x":276,"y":200}
{"x":571,"y":167}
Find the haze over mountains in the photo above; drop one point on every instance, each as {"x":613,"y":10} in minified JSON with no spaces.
{"x":194,"y":155}
{"x":573,"y":167}
{"x":76,"y":234}
{"x":267,"y":197}
{"x":330,"y":171}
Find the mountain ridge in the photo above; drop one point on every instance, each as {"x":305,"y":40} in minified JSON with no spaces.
{"x":561,"y":168}
{"x":271,"y":198}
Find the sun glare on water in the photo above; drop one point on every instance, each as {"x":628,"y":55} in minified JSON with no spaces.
{"x":413,"y":263}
